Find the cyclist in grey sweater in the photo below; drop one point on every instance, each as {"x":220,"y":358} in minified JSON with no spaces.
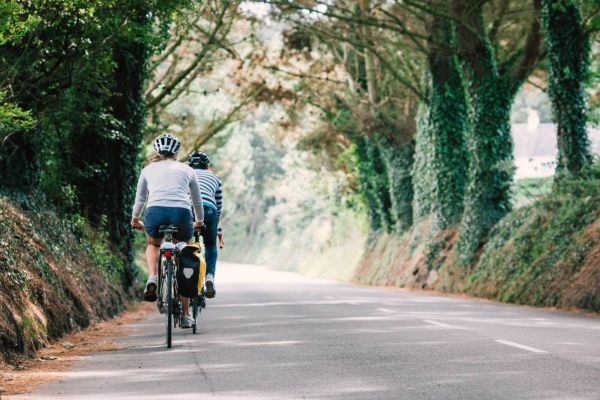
{"x":165,"y":187}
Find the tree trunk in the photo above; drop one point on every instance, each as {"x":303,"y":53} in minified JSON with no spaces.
{"x":488,"y":194}
{"x":569,"y":51}
{"x":370,"y":72}
{"x":398,"y":159}
{"x":448,"y":125}
{"x":107,"y":197}
{"x":131,"y":59}
{"x":373,"y":183}
{"x":423,"y":178}
{"x":487,"y":197}
{"x":491,"y":93}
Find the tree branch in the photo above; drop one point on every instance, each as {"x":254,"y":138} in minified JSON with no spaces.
{"x":153,"y":101}
{"x":531,"y":51}
{"x":217,"y":125}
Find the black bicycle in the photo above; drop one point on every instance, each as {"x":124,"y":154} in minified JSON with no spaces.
{"x":168,"y":296}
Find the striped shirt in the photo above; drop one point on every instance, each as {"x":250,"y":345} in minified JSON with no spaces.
{"x":211,"y":188}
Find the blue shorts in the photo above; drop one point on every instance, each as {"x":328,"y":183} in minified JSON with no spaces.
{"x":156,"y":216}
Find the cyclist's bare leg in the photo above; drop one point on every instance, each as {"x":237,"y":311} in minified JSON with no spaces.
{"x":185,"y":303}
{"x":152,"y":254}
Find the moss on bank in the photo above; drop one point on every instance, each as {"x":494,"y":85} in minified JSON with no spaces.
{"x":545,"y":254}
{"x":56,"y":275}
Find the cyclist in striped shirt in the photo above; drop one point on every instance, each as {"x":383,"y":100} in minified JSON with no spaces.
{"x":212,"y":197}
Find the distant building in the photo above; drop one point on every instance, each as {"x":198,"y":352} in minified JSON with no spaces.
{"x":535,"y":148}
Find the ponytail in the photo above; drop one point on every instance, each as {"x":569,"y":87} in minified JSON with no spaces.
{"x":158,"y":157}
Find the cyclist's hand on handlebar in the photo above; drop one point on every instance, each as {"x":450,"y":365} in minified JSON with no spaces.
{"x":198,"y":225}
{"x":137,"y":224}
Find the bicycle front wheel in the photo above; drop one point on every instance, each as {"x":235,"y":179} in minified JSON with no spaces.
{"x":194,"y":313}
{"x":169,"y":265}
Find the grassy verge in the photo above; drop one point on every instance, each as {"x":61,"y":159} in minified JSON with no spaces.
{"x":529,"y":190}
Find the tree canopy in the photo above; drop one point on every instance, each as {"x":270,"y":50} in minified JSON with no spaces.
{"x":413,"y":98}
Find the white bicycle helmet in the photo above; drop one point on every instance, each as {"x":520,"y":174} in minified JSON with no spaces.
{"x":167,"y":144}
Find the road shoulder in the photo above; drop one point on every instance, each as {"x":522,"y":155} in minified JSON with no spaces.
{"x":51,"y":362}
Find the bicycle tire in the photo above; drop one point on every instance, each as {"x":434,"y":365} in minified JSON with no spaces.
{"x":169,"y":302}
{"x":161,"y":285}
{"x":194,"y":313}
{"x":160,"y":275}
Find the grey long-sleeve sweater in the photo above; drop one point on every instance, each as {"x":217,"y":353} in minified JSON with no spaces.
{"x":168,"y":183}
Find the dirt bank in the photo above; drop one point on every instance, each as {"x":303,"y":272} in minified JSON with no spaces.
{"x":546,"y":254}
{"x":57,"y":275}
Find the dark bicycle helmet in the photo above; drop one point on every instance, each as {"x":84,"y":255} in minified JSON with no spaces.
{"x":167,"y":144}
{"x":198,"y":159}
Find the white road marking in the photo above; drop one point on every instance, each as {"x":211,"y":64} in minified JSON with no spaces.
{"x":290,"y":303}
{"x":441,"y":324}
{"x":379,"y":318}
{"x":386,"y":310}
{"x":273,"y":343}
{"x":520,"y":346}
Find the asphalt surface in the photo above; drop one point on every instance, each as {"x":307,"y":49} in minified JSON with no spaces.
{"x":278,"y":335}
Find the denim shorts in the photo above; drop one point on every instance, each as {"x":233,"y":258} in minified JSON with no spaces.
{"x":156,"y":216}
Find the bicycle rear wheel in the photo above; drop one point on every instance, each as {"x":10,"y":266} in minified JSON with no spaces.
{"x":169,"y":265}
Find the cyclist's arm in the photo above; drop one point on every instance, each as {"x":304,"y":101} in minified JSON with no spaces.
{"x":196,"y":198}
{"x":219,"y":198}
{"x":141,"y":196}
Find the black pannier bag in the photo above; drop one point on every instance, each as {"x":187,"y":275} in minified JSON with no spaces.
{"x":188,"y":271}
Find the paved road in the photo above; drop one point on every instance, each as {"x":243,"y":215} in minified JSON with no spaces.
{"x":277,"y":335}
